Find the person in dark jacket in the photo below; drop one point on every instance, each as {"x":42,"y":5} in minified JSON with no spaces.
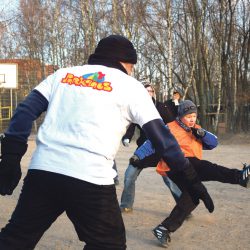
{"x":171,"y":105}
{"x":132,"y":171}
{"x":167,"y":110}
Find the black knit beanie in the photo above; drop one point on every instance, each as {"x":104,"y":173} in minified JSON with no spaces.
{"x":186,"y":107}
{"x":114,"y":49}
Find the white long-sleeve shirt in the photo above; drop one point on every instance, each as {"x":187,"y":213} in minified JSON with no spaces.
{"x":89,"y":109}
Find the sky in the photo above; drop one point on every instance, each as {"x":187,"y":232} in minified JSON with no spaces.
{"x":8,"y":5}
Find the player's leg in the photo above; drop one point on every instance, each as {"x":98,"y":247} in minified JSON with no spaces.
{"x":128,"y":193}
{"x":37,"y":208}
{"x":209,"y":171}
{"x":182,"y":209}
{"x":95,"y":213}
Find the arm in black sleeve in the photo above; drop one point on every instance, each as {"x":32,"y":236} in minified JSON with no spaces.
{"x":130,"y":132}
{"x":14,"y":143}
{"x":165,"y":144}
{"x":26,"y":112}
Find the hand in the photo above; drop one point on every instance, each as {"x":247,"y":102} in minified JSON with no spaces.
{"x":199,"y":133}
{"x":10,"y":175}
{"x":196,"y":189}
{"x":176,"y":102}
{"x":125,"y":142}
{"x":10,"y":169}
{"x":135,"y":161}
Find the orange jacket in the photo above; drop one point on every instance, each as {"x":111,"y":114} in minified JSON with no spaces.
{"x":190,"y":146}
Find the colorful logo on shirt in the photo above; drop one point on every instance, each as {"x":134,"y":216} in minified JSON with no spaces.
{"x":93,"y":80}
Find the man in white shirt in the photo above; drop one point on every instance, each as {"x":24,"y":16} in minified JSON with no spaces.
{"x":88,"y":109}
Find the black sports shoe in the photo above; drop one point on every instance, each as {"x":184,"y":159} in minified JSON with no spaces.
{"x":162,"y":234}
{"x":244,"y":178}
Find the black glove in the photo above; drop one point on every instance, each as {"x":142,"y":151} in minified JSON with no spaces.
{"x":196,"y":189}
{"x":10,"y":170}
{"x":199,"y":133}
{"x":135,"y":162}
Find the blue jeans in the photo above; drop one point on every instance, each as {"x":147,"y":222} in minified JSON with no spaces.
{"x":128,"y":193}
{"x":175,"y":191}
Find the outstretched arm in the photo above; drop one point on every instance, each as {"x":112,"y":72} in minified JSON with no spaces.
{"x":209,"y":141}
{"x":14,"y":143}
{"x":165,"y":144}
{"x":130,"y":132}
{"x":26,"y":112}
{"x":146,"y":149}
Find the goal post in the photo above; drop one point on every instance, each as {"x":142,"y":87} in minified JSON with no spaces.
{"x":8,"y":80}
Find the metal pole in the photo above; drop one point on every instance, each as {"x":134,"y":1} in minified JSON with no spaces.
{"x":11,"y":103}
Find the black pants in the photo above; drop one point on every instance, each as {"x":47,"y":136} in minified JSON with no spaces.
{"x":93,"y":210}
{"x":206,"y":171}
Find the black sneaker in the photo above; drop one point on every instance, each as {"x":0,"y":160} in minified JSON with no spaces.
{"x":244,"y":178}
{"x":162,"y":234}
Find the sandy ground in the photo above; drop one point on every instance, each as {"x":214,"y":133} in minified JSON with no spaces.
{"x":228,"y":228}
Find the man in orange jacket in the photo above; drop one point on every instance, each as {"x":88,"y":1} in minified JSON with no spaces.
{"x":192,"y":139}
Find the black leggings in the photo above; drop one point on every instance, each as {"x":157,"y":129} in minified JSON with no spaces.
{"x":93,"y":209}
{"x":206,"y":171}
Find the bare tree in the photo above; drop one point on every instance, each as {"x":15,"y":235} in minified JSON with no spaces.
{"x":200,"y":45}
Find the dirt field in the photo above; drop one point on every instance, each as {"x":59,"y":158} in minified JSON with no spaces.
{"x":228,"y":228}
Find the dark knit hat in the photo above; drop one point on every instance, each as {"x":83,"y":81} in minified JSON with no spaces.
{"x":186,"y":107}
{"x":178,"y":91}
{"x":117,"y":48}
